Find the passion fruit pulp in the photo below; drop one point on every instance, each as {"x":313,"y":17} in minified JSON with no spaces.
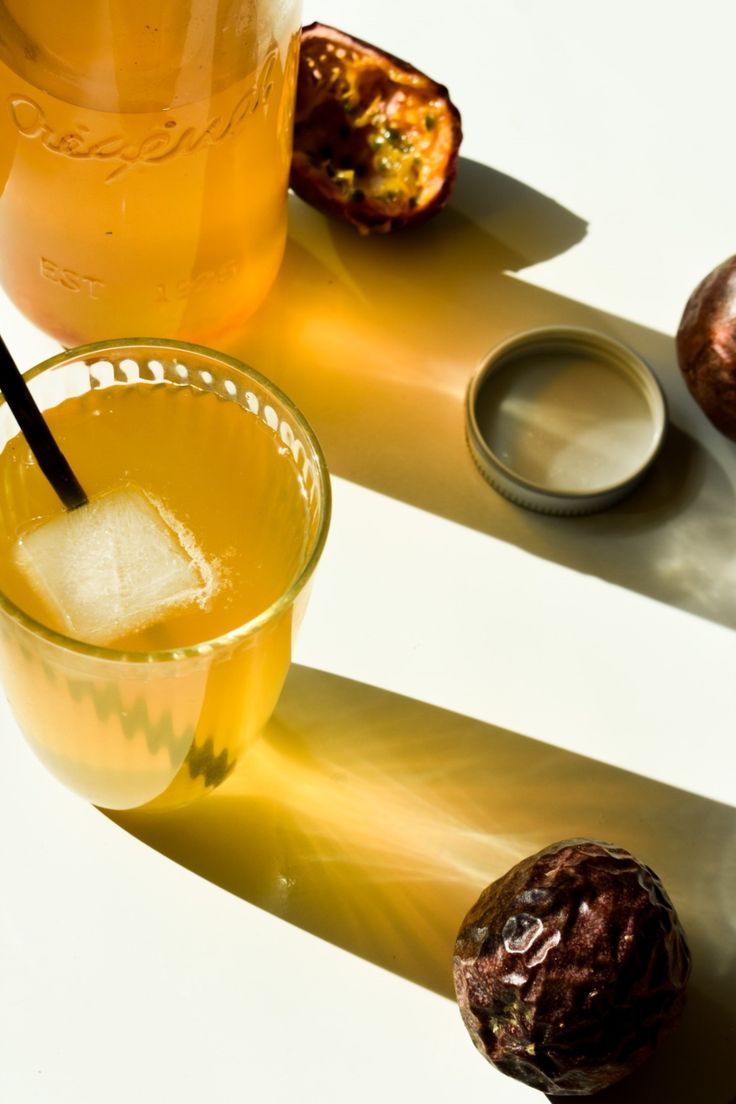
{"x":375,"y":140}
{"x":571,"y":967}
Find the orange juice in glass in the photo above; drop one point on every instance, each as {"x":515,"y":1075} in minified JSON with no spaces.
{"x":129,"y":714}
{"x":144,"y":160}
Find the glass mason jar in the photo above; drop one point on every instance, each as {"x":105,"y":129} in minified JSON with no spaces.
{"x":144,"y":159}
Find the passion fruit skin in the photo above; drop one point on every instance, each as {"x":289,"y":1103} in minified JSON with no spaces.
{"x":376,"y":141}
{"x":570,"y":968}
{"x":706,"y":346}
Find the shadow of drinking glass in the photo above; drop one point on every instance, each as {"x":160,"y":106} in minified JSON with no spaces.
{"x":373,"y":821}
{"x":377,"y":338}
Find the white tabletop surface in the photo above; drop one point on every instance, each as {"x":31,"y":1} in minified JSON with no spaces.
{"x":473,"y":681}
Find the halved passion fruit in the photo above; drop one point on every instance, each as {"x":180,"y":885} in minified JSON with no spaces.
{"x":375,"y":141}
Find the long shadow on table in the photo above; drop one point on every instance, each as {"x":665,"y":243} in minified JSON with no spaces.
{"x":373,"y":821}
{"x":377,"y":338}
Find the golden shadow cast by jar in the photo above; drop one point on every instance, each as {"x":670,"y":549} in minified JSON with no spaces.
{"x":373,"y":821}
{"x":378,"y":338}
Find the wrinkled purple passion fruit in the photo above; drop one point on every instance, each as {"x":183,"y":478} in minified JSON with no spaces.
{"x":375,"y":141}
{"x":706,"y":346}
{"x":570,"y":967}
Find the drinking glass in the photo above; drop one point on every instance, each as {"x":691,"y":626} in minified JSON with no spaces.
{"x":128,"y":728}
{"x":144,"y":160}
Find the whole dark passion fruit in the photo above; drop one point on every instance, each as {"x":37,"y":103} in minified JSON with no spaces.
{"x":375,"y":141}
{"x":706,"y":346}
{"x":569,"y":968}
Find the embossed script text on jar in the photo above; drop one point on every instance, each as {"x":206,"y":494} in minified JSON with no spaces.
{"x":163,"y":143}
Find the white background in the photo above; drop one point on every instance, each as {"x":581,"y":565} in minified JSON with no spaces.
{"x":123,"y":975}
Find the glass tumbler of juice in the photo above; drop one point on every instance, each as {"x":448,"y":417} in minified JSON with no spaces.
{"x":144,"y":160}
{"x":233,"y":489}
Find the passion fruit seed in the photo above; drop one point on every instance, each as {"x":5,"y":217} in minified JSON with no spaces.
{"x":570,"y":968}
{"x":375,"y":140}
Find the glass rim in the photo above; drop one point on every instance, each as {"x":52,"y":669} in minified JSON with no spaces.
{"x":247,"y":628}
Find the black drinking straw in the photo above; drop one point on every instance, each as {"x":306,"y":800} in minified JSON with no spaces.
{"x":33,"y":426}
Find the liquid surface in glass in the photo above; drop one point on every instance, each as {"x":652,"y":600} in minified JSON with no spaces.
{"x":208,"y":462}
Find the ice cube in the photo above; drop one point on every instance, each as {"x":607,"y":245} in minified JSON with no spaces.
{"x":115,"y":565}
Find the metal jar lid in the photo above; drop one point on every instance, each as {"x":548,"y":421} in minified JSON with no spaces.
{"x":564,"y":420}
